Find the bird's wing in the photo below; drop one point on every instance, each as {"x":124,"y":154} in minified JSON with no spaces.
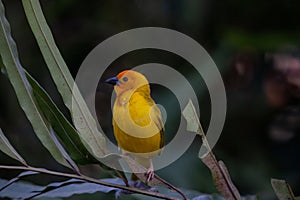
{"x":155,"y":114}
{"x":159,"y":123}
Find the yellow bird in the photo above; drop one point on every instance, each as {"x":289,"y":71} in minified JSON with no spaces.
{"x":137,"y":121}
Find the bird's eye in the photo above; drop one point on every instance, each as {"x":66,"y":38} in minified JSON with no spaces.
{"x":125,"y":79}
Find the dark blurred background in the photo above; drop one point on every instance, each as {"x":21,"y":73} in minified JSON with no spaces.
{"x":255,"y":45}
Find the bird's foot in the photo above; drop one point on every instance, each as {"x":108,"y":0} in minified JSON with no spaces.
{"x":150,"y":173}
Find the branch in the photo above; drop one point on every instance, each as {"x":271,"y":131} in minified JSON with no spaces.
{"x":88,"y":179}
{"x":134,"y":166}
{"x":171,"y":186}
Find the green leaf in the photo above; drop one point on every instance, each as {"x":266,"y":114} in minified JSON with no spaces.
{"x":60,"y":124}
{"x":18,"y":190}
{"x":17,"y":178}
{"x":83,"y":120}
{"x":8,"y":149}
{"x":218,"y":170}
{"x":63,"y":151}
{"x":190,"y":194}
{"x":190,"y":115}
{"x":82,"y":188}
{"x":53,"y":186}
{"x":62,"y":189}
{"x":282,"y":189}
{"x":194,"y":125}
{"x":1,"y":66}
{"x":23,"y":89}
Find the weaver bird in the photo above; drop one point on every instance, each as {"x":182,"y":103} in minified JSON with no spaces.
{"x":137,"y":121}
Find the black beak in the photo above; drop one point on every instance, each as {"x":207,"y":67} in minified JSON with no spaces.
{"x":113,"y":81}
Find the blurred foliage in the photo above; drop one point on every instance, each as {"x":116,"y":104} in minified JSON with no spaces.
{"x":255,"y":45}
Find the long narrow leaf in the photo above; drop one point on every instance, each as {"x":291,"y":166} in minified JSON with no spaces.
{"x":17,"y":178}
{"x":19,"y":190}
{"x":7,"y":148}
{"x":23,"y":190}
{"x":66,"y":132}
{"x":59,"y":123}
{"x":83,"y":120}
{"x":23,"y":89}
{"x":1,"y":66}
{"x":82,"y":188}
{"x":53,"y":186}
{"x":63,"y":151}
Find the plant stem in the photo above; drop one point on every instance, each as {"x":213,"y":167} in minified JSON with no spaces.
{"x":88,"y":179}
{"x":171,"y":187}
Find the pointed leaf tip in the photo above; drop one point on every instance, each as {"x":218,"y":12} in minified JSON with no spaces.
{"x":190,"y":114}
{"x":8,"y":149}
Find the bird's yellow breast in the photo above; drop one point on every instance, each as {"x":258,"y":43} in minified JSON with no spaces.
{"x":137,"y":123}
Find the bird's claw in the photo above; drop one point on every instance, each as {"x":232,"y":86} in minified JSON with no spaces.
{"x":150,"y":175}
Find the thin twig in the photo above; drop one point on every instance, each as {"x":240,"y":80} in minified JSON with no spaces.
{"x":171,"y":186}
{"x":88,"y":179}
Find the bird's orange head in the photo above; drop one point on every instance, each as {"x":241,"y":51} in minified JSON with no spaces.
{"x":129,"y":80}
